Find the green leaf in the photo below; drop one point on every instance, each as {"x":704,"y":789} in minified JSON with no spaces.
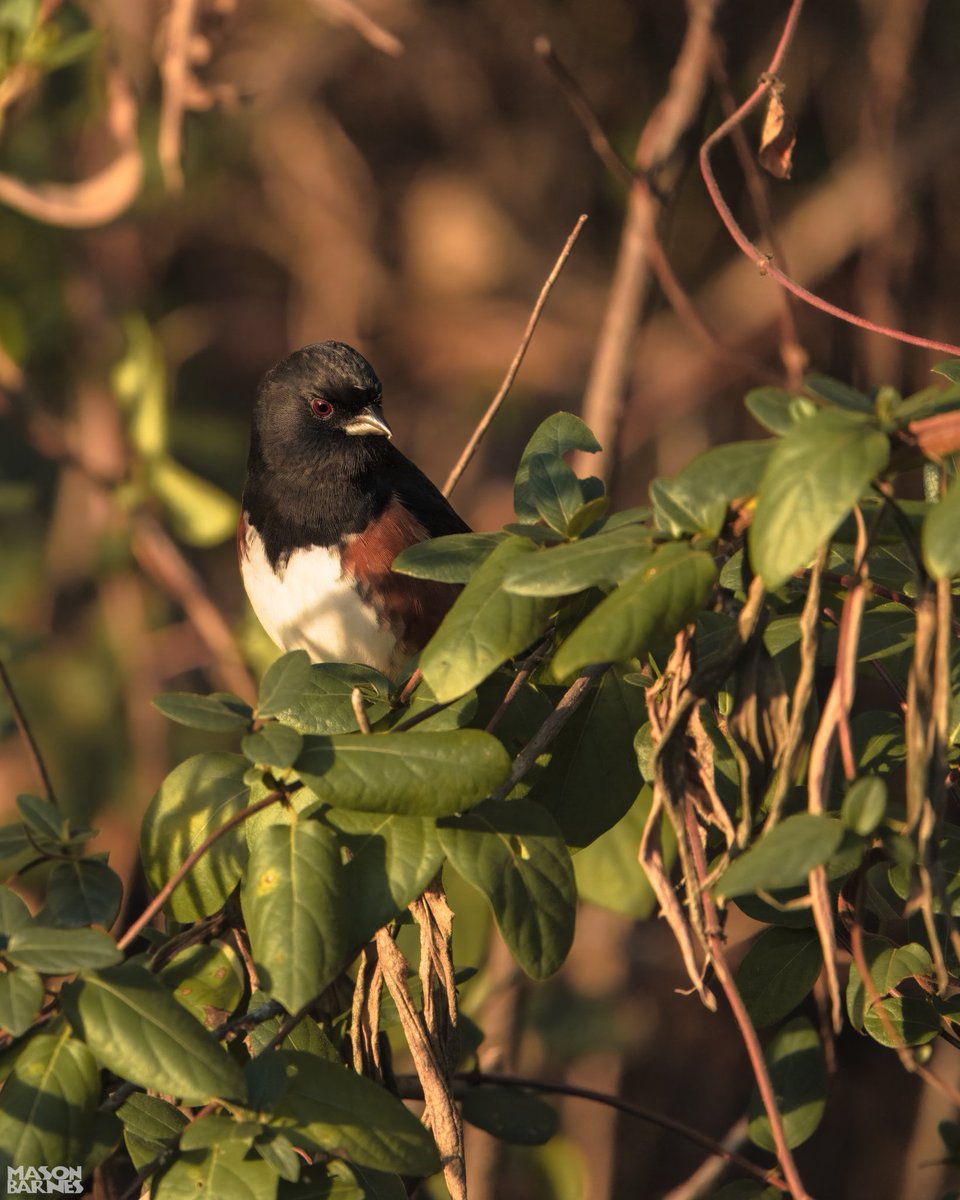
{"x":273,"y":746}
{"x":83,"y":891}
{"x":597,"y":742}
{"x":140,"y":386}
{"x":197,"y":798}
{"x":208,"y":980}
{"x":783,"y":857}
{"x":778,"y":410}
{"x":607,"y":871}
{"x":555,"y":489}
{"x":47,"y":1103}
{"x":14,"y":914}
{"x":137,"y":1030}
{"x":650,"y":607}
{"x":43,"y":817}
{"x":200,"y":513}
{"x":556,"y":436}
{"x":329,"y":1109}
{"x":337,"y":1180}
{"x":939,"y":539}
{"x":392,"y":859}
{"x":410,"y":774}
{"x":889,"y":967}
{"x":21,"y":994}
{"x":778,"y":972}
{"x":454,"y":715}
{"x":485,"y":626}
{"x":587,"y":515}
{"x":599,"y":561}
{"x":510,"y":1114}
{"x":814,"y":476}
{"x":283,"y":683}
{"x":221,"y":712}
{"x":323,"y":704}
{"x":949,"y":369}
{"x":293,"y":903}
{"x":218,"y":1127}
{"x":514,"y":853}
{"x":799,"y":1079}
{"x":914,"y":1021}
{"x":838,"y":393}
{"x":61,"y":951}
{"x":150,"y":1127}
{"x":280,"y":1154}
{"x":864,"y":804}
{"x":696,"y":500}
{"x":449,"y":559}
{"x":220,"y":1172}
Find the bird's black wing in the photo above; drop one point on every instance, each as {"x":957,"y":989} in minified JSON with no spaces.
{"x":423,"y":500}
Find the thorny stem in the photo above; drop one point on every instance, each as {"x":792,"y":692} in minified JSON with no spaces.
{"x":26,"y":733}
{"x":767,"y":81}
{"x":494,"y":407}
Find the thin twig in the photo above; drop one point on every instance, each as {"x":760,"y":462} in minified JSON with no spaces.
{"x":701,"y":1182}
{"x":188,"y":864}
{"x":408,"y":1087}
{"x":26,"y":733}
{"x":767,"y":81}
{"x":356,"y":703}
{"x":530,"y":664}
{"x":175,"y":73}
{"x":494,"y":407}
{"x":361,"y":22}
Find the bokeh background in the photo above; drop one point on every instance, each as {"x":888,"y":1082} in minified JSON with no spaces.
{"x":243,"y":178}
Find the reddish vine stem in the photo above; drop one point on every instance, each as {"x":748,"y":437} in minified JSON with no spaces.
{"x":748,"y":1033}
{"x":736,"y":230}
{"x":190,"y":862}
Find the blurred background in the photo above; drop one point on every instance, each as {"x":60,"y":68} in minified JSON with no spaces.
{"x":190,"y":190}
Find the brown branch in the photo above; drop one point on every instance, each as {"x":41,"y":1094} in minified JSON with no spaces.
{"x":348,"y":13}
{"x":26,"y":734}
{"x":494,"y":407}
{"x":175,"y":73}
{"x":766,"y":267}
{"x":190,"y":862}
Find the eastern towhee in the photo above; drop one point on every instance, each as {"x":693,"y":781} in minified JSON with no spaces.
{"x":328,"y":504}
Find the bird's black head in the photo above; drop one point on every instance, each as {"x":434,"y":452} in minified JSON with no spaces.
{"x":319,"y":397}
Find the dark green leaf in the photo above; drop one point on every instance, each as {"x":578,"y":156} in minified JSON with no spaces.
{"x":914,"y":1021}
{"x":208,"y":980}
{"x":14,"y":914}
{"x":220,"y":1172}
{"x":889,"y":966}
{"x":778,"y":410}
{"x":783,"y":857}
{"x":587,"y":515}
{"x":150,"y":1127}
{"x":61,"y":951}
{"x":514,"y":853}
{"x":555,"y":436}
{"x":450,"y":559}
{"x":777,"y":972}
{"x":336,"y":1181}
{"x":696,"y":500}
{"x":273,"y":746}
{"x":949,"y":369}
{"x":814,"y":476}
{"x":486,"y":626}
{"x":392,"y":859}
{"x":83,"y":891}
{"x":323,"y":705}
{"x":43,"y":817}
{"x":197,"y":798}
{"x":215,"y":1128}
{"x":799,"y":1079}
{"x":555,"y":489}
{"x":939,"y":539}
{"x":410,"y":774}
{"x":864,"y":804}
{"x":454,"y":715}
{"x":280,"y":1154}
{"x":221,"y":712}
{"x":599,"y":561}
{"x":283,"y":682}
{"x":607,"y":871}
{"x":838,"y":393}
{"x":21,"y":993}
{"x":328,"y":1109}
{"x":293,"y":903}
{"x":649,"y":607}
{"x":137,"y":1030}
{"x":47,"y":1103}
{"x":596,"y":743}
{"x":510,"y":1114}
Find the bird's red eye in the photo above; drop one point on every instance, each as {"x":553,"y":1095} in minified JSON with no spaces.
{"x":322,"y":408}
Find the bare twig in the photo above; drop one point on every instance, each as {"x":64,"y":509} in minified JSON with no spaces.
{"x":26,"y":733}
{"x":349,"y":13}
{"x":494,"y":407}
{"x":767,"y":81}
{"x":190,"y":862}
{"x":175,"y":72}
{"x":701,"y":1182}
{"x":356,"y":703}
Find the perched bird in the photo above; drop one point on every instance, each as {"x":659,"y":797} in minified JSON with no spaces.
{"x":328,"y":504}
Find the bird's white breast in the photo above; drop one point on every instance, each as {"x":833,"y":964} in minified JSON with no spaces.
{"x":307,"y":604}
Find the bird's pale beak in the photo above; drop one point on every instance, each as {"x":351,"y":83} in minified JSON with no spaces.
{"x":369,"y":420}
